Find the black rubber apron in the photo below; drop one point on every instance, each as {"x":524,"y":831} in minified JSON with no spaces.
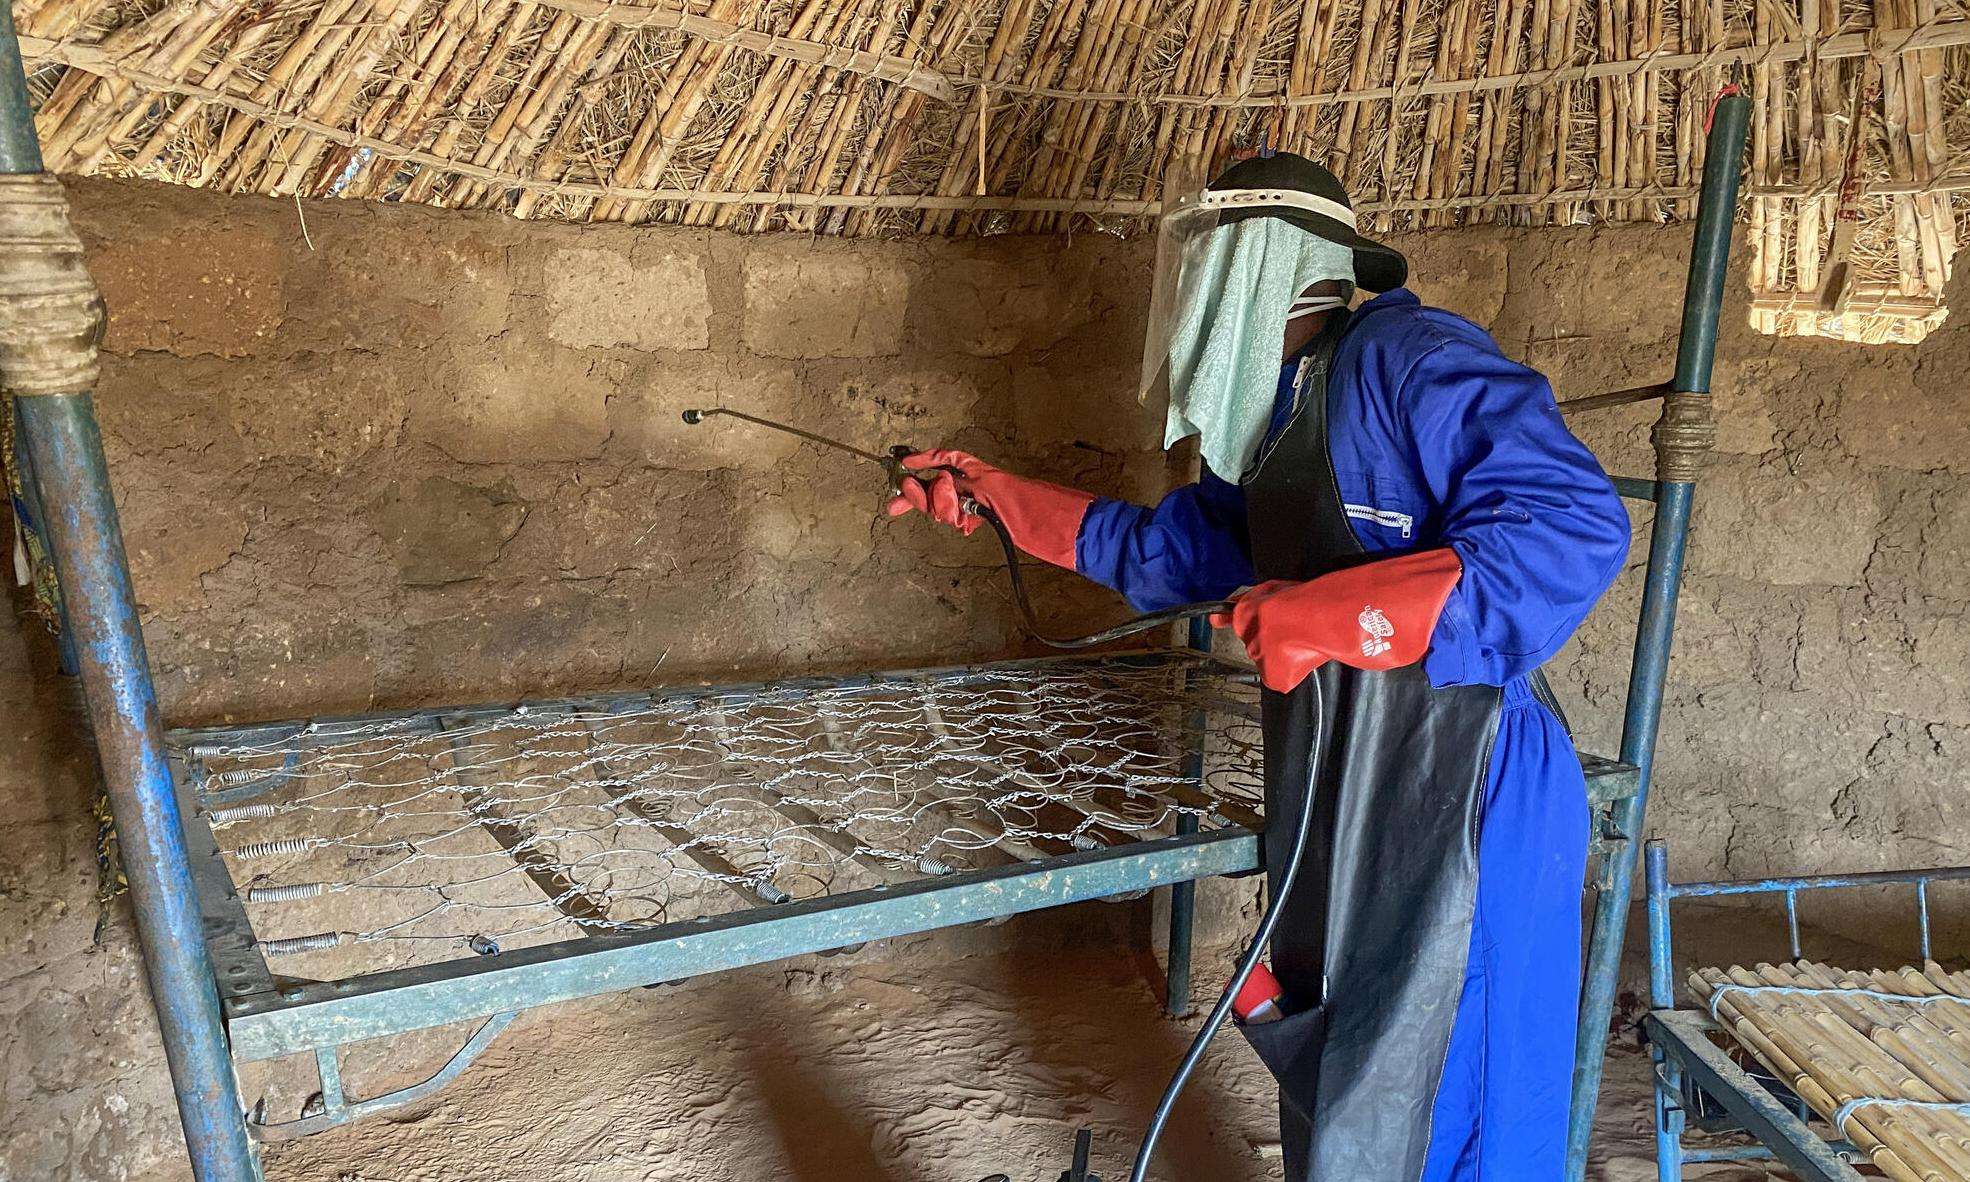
{"x":1371,"y":948}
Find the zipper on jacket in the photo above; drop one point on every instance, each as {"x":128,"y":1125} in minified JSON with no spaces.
{"x":1387,"y":518}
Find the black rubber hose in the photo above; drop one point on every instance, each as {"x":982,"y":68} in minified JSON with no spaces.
{"x":1029,"y":622}
{"x":1301,"y":836}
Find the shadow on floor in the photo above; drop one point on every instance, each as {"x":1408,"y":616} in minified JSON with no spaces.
{"x":825,"y":1133}
{"x":1140,"y":1047}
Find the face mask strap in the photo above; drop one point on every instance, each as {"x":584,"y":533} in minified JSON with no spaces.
{"x":1308,"y":305}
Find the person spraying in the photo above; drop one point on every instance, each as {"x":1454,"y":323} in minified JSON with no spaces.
{"x":1407,"y":530}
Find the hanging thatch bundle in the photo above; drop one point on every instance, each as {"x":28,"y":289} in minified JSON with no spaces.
{"x":964,"y":116}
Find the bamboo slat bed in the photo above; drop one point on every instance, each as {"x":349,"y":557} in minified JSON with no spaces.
{"x":1882,"y":1056}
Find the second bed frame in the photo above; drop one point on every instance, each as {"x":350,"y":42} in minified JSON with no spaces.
{"x":1698,"y":1082}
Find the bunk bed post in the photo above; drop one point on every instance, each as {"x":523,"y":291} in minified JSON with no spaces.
{"x":1682,"y":437}
{"x":1669,"y":1115}
{"x":23,"y":461}
{"x":50,"y":320}
{"x":1183,"y":895}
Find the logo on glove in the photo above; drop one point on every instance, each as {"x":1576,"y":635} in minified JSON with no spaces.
{"x":1378,"y":630}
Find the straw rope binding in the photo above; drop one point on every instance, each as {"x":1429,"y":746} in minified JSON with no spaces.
{"x":51,"y":318}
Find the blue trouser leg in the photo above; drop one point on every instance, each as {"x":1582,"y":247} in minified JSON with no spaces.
{"x":1501,"y":1111}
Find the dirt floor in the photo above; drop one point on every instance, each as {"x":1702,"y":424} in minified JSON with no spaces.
{"x":915,"y":1070}
{"x":925,"y":1062}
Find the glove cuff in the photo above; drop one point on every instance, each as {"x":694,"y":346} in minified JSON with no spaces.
{"x":1044,"y":519}
{"x":1394,"y":603}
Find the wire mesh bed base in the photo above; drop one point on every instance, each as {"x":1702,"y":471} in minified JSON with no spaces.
{"x":415,"y":869}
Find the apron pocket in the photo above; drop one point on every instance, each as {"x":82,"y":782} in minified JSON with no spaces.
{"x":1290,"y":1049}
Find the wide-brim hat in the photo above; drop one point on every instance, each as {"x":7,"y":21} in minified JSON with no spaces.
{"x":1285,"y":185}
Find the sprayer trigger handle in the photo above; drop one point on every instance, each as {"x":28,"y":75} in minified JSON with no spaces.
{"x":893,"y":465}
{"x":898,"y":473}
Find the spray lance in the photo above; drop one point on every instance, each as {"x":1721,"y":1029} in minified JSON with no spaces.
{"x":1248,"y":964}
{"x":894,"y":468}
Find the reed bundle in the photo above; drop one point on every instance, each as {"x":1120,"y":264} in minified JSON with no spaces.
{"x":988,"y":116}
{"x":1884,"y":1055}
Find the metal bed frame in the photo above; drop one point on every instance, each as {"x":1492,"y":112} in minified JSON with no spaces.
{"x":270,"y":1017}
{"x":1697,"y":1082}
{"x":219,"y":1004}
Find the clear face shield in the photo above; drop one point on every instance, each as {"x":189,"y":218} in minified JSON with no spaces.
{"x":1183,"y":249}
{"x":1226,"y":285}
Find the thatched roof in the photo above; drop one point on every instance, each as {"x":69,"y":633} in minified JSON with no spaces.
{"x":864,"y":116}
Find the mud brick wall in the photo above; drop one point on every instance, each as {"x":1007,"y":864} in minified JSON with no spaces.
{"x":411,"y":458}
{"x":1816,"y":718}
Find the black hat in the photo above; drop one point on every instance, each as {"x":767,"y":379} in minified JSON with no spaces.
{"x":1376,"y":267}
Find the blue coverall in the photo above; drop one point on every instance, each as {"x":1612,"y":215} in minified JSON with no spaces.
{"x":1438,"y":439}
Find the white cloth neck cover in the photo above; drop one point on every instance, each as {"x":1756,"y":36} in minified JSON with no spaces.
{"x":1225,"y":345}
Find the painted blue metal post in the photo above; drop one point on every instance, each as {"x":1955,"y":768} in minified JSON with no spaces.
{"x":88,"y":551}
{"x":1669,"y":1115}
{"x":20,"y":147}
{"x":1183,"y":896}
{"x":59,"y":426}
{"x":23,"y":461}
{"x":1681,"y":437}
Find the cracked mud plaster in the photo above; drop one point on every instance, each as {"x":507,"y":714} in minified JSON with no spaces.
{"x":823,"y":299}
{"x":491,"y":490}
{"x":427,"y":463}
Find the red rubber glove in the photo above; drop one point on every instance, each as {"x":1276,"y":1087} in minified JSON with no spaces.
{"x":1043,"y":519}
{"x":1375,"y":616}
